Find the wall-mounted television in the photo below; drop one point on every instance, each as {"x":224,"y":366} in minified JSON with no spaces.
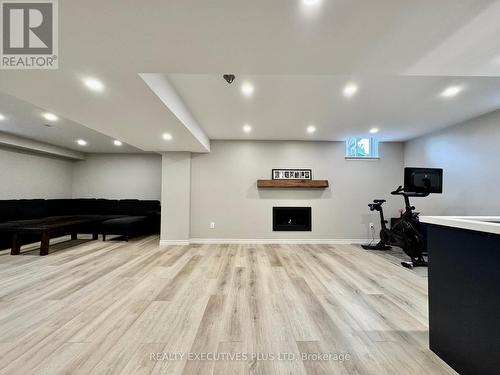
{"x":420,"y":179}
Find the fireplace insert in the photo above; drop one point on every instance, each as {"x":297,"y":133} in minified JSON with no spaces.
{"x":292,"y":219}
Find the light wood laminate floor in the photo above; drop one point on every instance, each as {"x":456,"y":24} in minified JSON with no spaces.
{"x":121,"y":308}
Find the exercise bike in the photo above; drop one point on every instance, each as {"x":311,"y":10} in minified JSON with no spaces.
{"x":403,"y":233}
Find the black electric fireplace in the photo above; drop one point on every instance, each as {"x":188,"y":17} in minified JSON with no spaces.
{"x":292,"y":219}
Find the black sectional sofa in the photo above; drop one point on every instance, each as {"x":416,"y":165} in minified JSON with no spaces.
{"x":127,"y":217}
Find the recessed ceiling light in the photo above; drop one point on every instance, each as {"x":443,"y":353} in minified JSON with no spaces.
{"x":116,"y":142}
{"x":451,"y":91}
{"x":247,"y":89}
{"x":311,"y":129}
{"x":374,"y":130}
{"x":2,"y":117}
{"x":50,"y":117}
{"x":310,"y":2}
{"x":93,"y":84}
{"x":81,"y":142}
{"x":350,"y":90}
{"x":167,"y":136}
{"x":247,"y":128}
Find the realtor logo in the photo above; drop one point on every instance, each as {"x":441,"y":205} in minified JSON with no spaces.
{"x":29,"y":37}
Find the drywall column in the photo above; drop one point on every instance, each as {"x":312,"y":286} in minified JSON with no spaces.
{"x":175,"y":198}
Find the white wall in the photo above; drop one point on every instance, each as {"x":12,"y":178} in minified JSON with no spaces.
{"x":223,"y":189}
{"x":25,"y":175}
{"x":118,"y":176}
{"x":175,"y":197}
{"x":113,"y":176}
{"x":469,"y":153}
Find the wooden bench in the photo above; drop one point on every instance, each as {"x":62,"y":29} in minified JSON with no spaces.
{"x":67,"y":226}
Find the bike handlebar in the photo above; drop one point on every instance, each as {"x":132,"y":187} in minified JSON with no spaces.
{"x":397,"y":191}
{"x":422,"y":193}
{"x":400,"y":191}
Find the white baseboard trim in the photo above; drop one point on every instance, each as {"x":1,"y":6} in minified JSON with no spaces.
{"x":266,"y":241}
{"x":173,"y":242}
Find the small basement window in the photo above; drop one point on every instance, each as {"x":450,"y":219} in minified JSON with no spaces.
{"x":361,"y":148}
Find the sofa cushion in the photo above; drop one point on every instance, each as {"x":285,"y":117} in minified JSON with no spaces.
{"x":127,"y":206}
{"x":32,"y":208}
{"x":123,"y":223}
{"x":59,"y":207}
{"x":8,"y":210}
{"x":106,"y":206}
{"x":146,"y":207}
{"x":84,"y":206}
{"x":72,"y":207}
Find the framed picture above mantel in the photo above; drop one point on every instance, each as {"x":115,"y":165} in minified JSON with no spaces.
{"x":292,"y":174}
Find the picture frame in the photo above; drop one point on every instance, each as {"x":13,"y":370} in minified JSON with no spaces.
{"x":291,"y":174}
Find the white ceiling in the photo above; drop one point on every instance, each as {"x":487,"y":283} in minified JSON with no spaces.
{"x":282,"y":107}
{"x":114,"y":40}
{"x":25,"y":120}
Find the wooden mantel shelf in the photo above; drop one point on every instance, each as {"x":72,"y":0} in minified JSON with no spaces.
{"x":293,"y":184}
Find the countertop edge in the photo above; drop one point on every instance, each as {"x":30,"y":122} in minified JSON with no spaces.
{"x":475,"y":223}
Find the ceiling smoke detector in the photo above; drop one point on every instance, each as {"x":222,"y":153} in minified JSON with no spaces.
{"x":229,"y":78}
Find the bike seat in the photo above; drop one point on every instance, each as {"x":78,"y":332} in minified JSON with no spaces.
{"x":379,"y":201}
{"x":375,"y":206}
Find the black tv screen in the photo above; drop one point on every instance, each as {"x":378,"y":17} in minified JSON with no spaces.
{"x":415,"y":179}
